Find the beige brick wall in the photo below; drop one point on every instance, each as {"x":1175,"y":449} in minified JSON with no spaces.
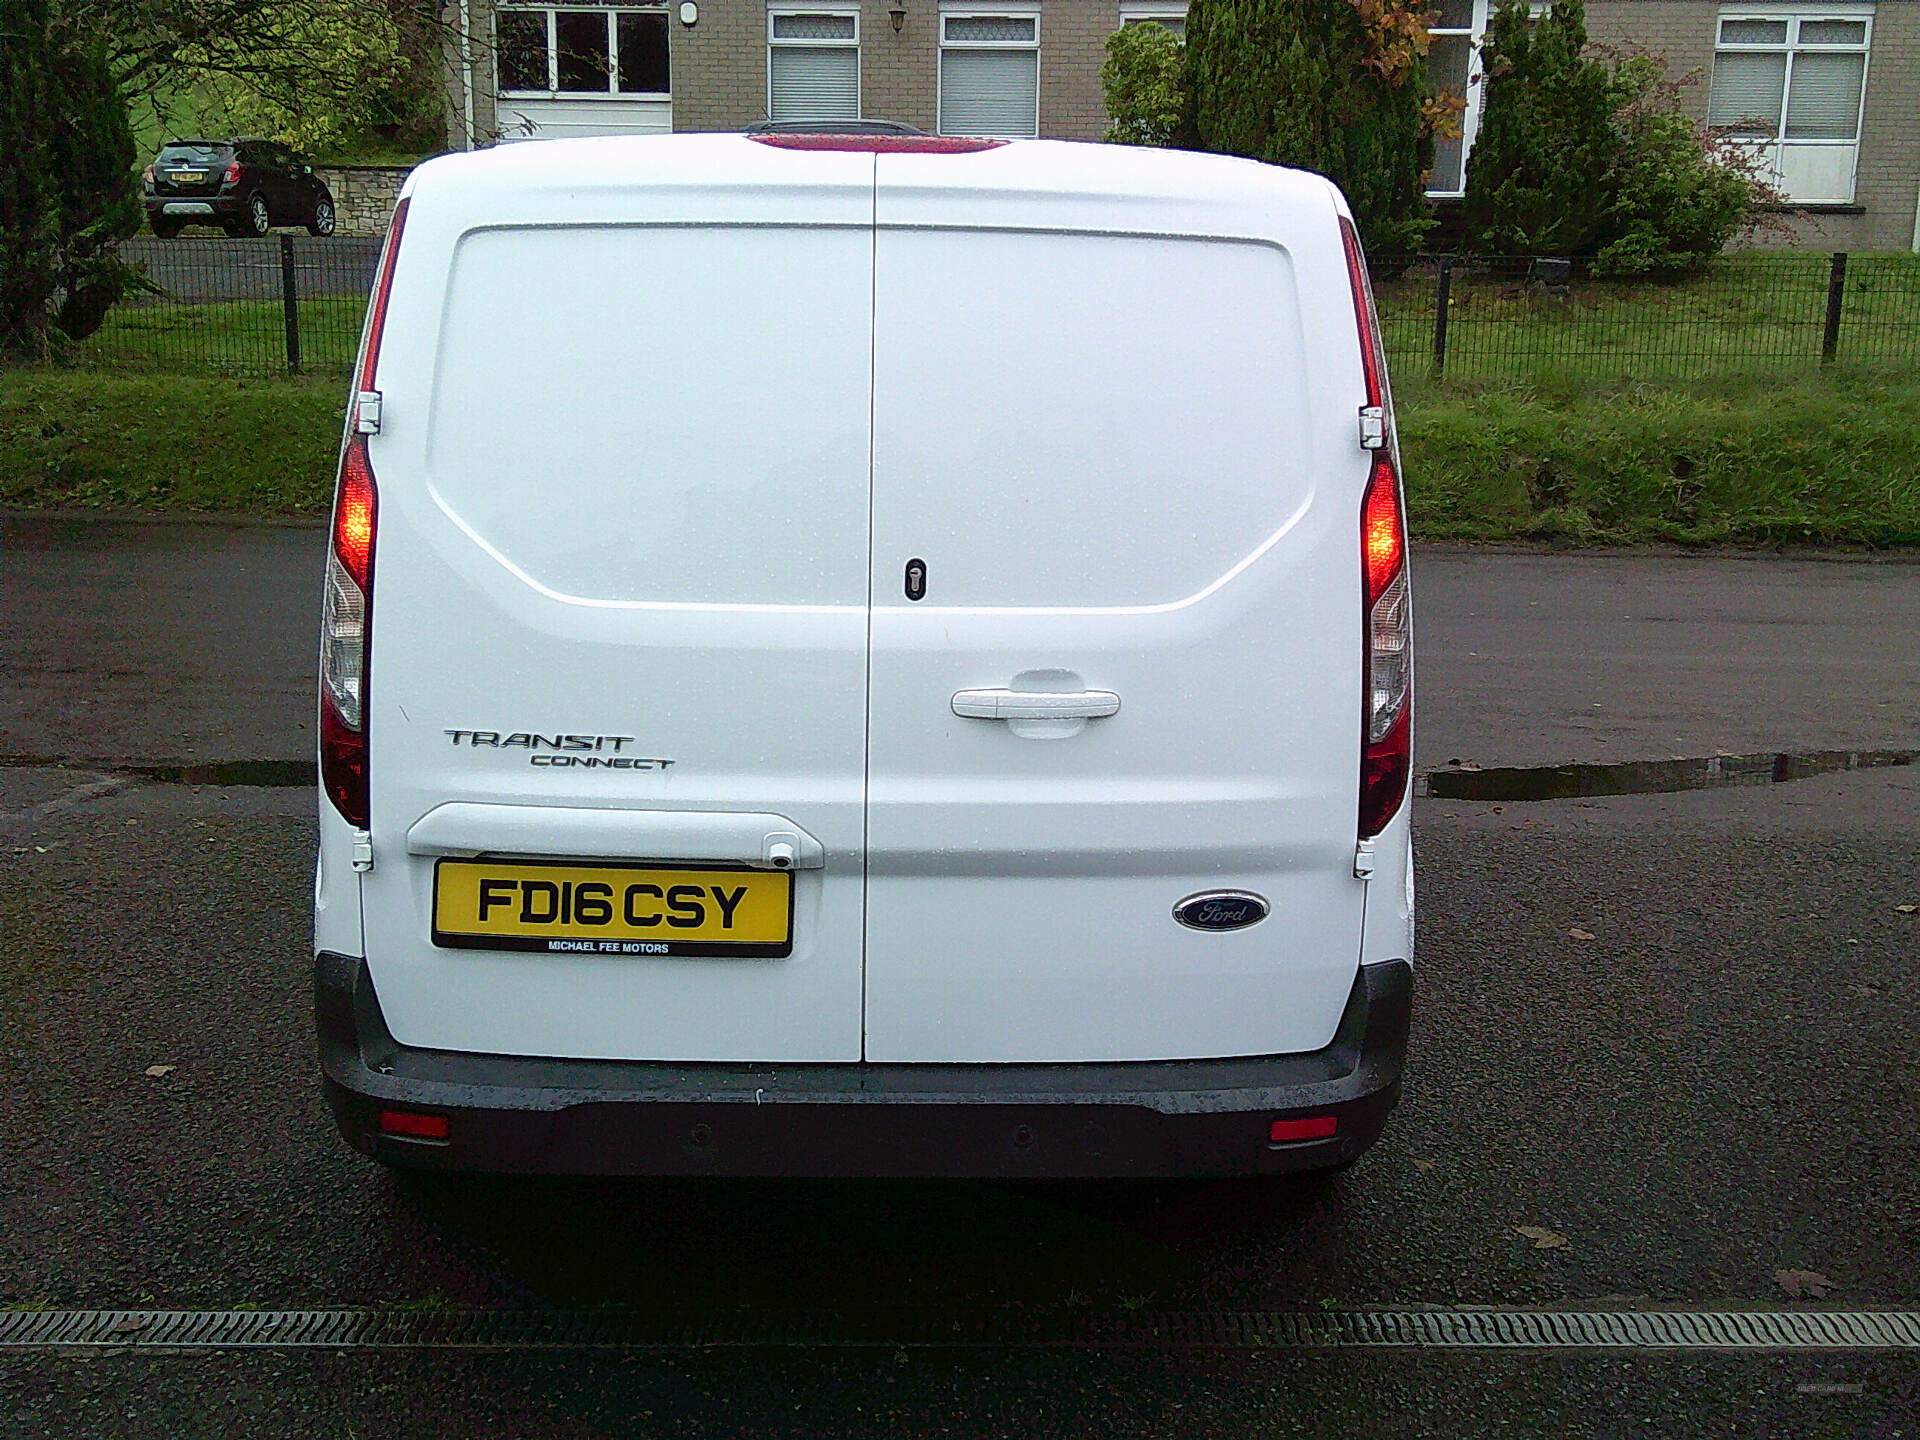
{"x":720,"y":66}
{"x":898,"y":73}
{"x":1073,"y":38}
{"x":1680,"y":31}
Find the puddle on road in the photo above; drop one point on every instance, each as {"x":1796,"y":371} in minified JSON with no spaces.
{"x":1648,"y":777}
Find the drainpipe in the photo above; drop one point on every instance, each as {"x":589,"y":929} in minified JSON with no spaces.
{"x":466,"y":78}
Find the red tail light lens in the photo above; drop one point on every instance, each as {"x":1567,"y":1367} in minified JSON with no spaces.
{"x":232,"y":177}
{"x":147,"y":174}
{"x":346,"y":608}
{"x":1386,"y":757}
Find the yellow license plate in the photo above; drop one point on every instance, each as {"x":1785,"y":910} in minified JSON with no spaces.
{"x":612,"y":909}
{"x":189,"y":177}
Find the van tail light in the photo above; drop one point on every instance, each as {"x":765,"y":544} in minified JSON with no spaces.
{"x":1386,"y":752}
{"x":346,"y":604}
{"x":232,"y":177}
{"x":345,"y":609}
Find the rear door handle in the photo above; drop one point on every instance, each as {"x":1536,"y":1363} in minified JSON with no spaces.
{"x":1035,"y":704}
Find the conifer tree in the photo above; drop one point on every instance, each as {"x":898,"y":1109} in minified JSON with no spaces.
{"x":1542,"y":167}
{"x":1332,"y":86}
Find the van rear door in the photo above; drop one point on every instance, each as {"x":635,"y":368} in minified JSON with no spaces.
{"x":620,"y":603}
{"x":1112,"y":464}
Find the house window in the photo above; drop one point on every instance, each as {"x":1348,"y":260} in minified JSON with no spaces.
{"x":1789,"y":84}
{"x":581,"y":51}
{"x":1171,"y":18}
{"x":990,"y":73}
{"x":813,"y":65}
{"x":1457,"y":28}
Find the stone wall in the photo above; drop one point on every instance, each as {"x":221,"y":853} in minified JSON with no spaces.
{"x":363,"y":196}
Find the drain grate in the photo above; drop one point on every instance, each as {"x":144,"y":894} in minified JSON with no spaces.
{"x":1145,"y":1330}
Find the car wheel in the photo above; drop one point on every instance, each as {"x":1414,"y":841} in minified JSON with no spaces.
{"x":167,"y":229}
{"x":256,"y":221}
{"x":322,"y":222}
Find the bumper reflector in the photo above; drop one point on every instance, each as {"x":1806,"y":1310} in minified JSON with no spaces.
{"x":410,"y":1126}
{"x":1314,"y":1127}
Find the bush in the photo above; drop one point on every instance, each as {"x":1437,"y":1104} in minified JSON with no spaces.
{"x":1579,"y":160}
{"x":1144,"y":85}
{"x":1332,"y":86}
{"x":1676,"y":198}
{"x":1537,"y":177}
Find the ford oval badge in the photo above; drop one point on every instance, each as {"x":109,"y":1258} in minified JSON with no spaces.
{"x":1220,"y":910}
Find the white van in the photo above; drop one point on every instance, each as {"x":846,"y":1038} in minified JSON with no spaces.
{"x":866,"y":655}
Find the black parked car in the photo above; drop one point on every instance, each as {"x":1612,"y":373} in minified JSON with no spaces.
{"x":244,"y":186}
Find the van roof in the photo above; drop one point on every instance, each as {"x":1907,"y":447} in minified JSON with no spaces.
{"x":1058,"y":168}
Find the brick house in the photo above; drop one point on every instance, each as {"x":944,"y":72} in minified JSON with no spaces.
{"x":1827,"y":92}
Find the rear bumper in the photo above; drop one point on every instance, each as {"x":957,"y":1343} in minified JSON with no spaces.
{"x":1141,"y":1119}
{"x":204,"y":208}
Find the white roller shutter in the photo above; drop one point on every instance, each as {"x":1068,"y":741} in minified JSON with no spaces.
{"x":1747,"y":90}
{"x":1825,"y":101}
{"x":814,"y":82}
{"x":990,"y":92}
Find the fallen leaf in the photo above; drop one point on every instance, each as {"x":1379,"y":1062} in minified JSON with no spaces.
{"x":129,"y":1324}
{"x":1423,"y":1166}
{"x":1906,"y":909}
{"x":1579,"y":934}
{"x":1803,"y":1282}
{"x":160,"y":1072}
{"x":1542,"y":1238}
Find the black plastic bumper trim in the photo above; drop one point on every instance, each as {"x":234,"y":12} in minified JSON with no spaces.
{"x":1134,"y":1119}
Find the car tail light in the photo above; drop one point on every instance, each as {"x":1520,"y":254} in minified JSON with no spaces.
{"x":346,"y":608}
{"x":1386,"y":754}
{"x":147,"y":174}
{"x":232,"y":177}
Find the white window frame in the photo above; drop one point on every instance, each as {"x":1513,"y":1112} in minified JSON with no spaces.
{"x":839,"y":12}
{"x":985,"y":10}
{"x":553,"y":90}
{"x":1794,"y":16}
{"x":1474,"y":33}
{"x":1147,"y":12}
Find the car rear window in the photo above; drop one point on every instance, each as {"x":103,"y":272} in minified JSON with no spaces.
{"x":195,"y":154}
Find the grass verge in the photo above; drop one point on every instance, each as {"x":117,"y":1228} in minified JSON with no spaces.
{"x":1825,"y":460}
{"x":1821,"y":460}
{"x":167,"y":442}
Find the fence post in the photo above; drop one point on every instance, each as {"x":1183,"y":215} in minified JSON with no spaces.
{"x":1836,"y":294}
{"x":289,"y":303}
{"x":1442,"y":294}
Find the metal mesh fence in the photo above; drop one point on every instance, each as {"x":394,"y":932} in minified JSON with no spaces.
{"x":285,"y":303}
{"x":1491,"y":320}
{"x":294,"y":303}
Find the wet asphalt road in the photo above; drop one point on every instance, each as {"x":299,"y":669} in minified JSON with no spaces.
{"x":196,"y":642}
{"x":1722,"y":1084}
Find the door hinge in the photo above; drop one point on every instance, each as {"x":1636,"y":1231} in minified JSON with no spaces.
{"x":1373,"y":426}
{"x":362,"y":851}
{"x":366,"y":413}
{"x":1363,"y":860}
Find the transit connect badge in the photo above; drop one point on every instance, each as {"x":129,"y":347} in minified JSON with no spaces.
{"x":1221,"y":910}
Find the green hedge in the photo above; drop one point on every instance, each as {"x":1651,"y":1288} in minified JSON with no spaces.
{"x":1815,"y":462}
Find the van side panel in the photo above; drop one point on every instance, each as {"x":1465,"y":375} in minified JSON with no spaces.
{"x":624,"y":496}
{"x":1110,"y":453}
